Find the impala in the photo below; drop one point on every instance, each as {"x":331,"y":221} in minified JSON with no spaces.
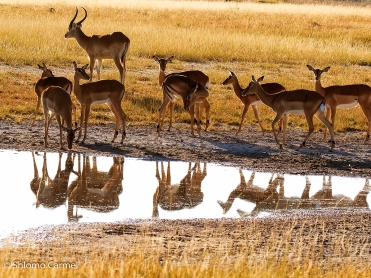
{"x":345,"y":96}
{"x":190,"y":91}
{"x":48,"y":79}
{"x":111,"y":46}
{"x":98,"y":191}
{"x":253,"y":100}
{"x":186,"y":194}
{"x":110,"y":92}
{"x":322,"y":199}
{"x":52,"y":193}
{"x":196,"y":75}
{"x":250,"y":192}
{"x":300,"y":101}
{"x":58,"y":101}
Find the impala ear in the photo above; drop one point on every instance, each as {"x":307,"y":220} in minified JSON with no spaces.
{"x":253,"y":78}
{"x":155,"y":58}
{"x":326,"y":69}
{"x":260,"y":79}
{"x":74,"y":65}
{"x":310,"y":67}
{"x":170,"y":58}
{"x":85,"y":67}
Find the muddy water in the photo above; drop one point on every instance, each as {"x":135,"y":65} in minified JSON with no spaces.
{"x":55,"y":188}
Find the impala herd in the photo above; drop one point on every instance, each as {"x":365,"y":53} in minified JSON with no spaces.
{"x":189,"y":86}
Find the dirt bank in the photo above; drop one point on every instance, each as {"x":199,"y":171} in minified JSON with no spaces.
{"x":249,"y":150}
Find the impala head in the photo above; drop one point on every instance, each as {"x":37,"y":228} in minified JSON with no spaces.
{"x":317,"y":72}
{"x":229,"y":79}
{"x":193,"y":95}
{"x":70,"y":136}
{"x":73,"y":25}
{"x":163,"y":62}
{"x":252,"y":88}
{"x":46,"y":72}
{"x":80,"y":73}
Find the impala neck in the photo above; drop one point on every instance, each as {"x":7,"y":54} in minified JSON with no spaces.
{"x":264,"y":97}
{"x":81,"y":38}
{"x":161,"y":77}
{"x":77,"y":88}
{"x":318,"y":87}
{"x":236,"y":87}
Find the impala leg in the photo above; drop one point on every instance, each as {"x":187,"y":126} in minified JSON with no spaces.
{"x":257,"y":117}
{"x":323,"y":119}
{"x":191,"y":112}
{"x":46,"y":125}
{"x":120,"y":114}
{"x":171,"y":109}
{"x":120,"y":68}
{"x":92,"y":64}
{"x":310,"y":130}
{"x":198,"y":120}
{"x":51,"y":115}
{"x":367,"y":112}
{"x":207,"y":109}
{"x":328,"y":110}
{"x":123,"y":63}
{"x":83,"y":107}
{"x":37,"y":109}
{"x":245,"y":109}
{"x":117,"y":117}
{"x":164,"y":104}
{"x":87,"y":111}
{"x":276,"y":119}
{"x":283,"y":125}
{"x":60,"y":130}
{"x":99,"y":67}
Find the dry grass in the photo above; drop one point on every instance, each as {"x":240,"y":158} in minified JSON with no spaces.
{"x":327,"y":246}
{"x":275,"y":40}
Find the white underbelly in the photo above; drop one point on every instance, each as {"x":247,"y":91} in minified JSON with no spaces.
{"x":256,"y":102}
{"x":103,"y":101}
{"x":298,"y":112}
{"x":348,"y":105}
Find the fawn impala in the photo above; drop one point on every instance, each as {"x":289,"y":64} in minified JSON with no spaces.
{"x":253,"y":100}
{"x":190,"y":91}
{"x":110,"y":92}
{"x":58,"y":101}
{"x":195,"y":75}
{"x":300,"y":101}
{"x":345,"y":96}
{"x":111,"y":46}
{"x":48,"y":79}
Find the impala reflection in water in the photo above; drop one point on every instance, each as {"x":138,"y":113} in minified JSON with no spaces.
{"x":58,"y":188}
{"x":273,"y":199}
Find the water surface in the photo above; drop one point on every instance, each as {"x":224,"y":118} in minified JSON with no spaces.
{"x":58,"y":188}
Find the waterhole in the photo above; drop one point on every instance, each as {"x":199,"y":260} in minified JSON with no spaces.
{"x":58,"y":188}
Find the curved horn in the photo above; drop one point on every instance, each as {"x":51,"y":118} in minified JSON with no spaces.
{"x":82,"y":20}
{"x":73,"y":19}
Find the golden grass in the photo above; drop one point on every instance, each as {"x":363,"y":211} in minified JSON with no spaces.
{"x":275,"y":40}
{"x":297,"y":247}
